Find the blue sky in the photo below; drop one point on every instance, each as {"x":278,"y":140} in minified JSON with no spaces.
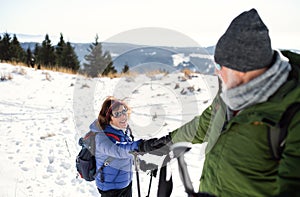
{"x":202,"y":21}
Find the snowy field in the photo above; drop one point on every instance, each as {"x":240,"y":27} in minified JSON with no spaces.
{"x":43,"y":114}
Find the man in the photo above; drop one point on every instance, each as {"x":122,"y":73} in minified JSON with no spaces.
{"x":258,"y":85}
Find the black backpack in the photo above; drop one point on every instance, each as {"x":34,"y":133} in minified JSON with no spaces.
{"x":278,"y":132}
{"x":86,"y":161}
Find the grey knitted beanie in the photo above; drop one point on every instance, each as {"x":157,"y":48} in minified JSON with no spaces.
{"x":246,"y":44}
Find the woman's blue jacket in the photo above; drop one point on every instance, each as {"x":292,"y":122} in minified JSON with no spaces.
{"x":118,"y":145}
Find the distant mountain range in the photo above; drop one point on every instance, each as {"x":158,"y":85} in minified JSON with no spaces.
{"x":141,"y":58}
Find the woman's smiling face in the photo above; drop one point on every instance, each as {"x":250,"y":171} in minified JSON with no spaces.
{"x":119,"y":117}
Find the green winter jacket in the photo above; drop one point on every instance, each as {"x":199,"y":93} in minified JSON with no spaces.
{"x":238,"y":160}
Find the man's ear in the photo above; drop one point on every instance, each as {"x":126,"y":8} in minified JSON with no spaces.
{"x":248,"y":76}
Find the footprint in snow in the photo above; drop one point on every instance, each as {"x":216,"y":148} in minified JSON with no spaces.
{"x":51,"y":156}
{"x":51,"y":169}
{"x":65,"y":165}
{"x":38,"y":158}
{"x":24,"y":169}
{"x":60,"y":182}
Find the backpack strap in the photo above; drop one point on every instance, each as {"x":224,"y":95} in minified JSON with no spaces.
{"x":113,"y":136}
{"x":89,"y":134}
{"x":277,"y":134}
{"x":105,"y":163}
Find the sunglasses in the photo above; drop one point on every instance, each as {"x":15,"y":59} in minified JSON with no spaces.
{"x":218,"y":67}
{"x":119,"y":113}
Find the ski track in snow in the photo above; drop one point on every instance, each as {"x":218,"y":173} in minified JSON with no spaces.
{"x":43,"y":113}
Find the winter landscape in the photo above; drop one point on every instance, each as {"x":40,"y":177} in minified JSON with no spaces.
{"x":43,"y":114}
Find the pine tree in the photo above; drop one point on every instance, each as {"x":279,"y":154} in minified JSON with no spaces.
{"x":65,"y":55}
{"x":17,"y":52}
{"x":110,"y":69}
{"x":36,"y":53}
{"x":46,"y":53}
{"x":59,"y":51}
{"x":125,"y":68}
{"x":97,"y":61}
{"x":69,"y":57}
{"x":5,"y":48}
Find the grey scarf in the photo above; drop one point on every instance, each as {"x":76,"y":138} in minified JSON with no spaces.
{"x":259,"y":89}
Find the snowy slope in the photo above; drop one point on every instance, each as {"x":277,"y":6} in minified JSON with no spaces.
{"x":43,"y":113}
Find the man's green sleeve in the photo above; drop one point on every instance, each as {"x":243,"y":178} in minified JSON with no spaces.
{"x":195,"y":130}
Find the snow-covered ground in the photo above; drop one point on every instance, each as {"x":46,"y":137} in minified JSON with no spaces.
{"x":43,"y":114}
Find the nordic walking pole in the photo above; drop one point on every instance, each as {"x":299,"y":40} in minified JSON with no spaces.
{"x":178,"y":151}
{"x":136,"y":163}
{"x":151,"y":175}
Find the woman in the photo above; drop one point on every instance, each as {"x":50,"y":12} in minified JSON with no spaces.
{"x":113,"y":149}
